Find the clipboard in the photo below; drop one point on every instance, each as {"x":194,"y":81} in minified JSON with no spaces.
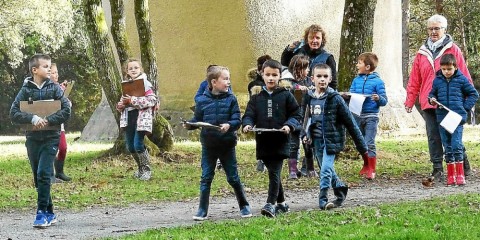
{"x":42,"y":109}
{"x":260,"y":130}
{"x":133,"y":88}
{"x":68,"y":89}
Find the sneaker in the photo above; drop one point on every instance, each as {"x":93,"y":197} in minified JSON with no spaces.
{"x":282,"y":208}
{"x":41,"y":220}
{"x":292,"y":176}
{"x":51,"y":217}
{"x":200,"y":216}
{"x":268,"y":210}
{"x":145,"y":176}
{"x":245,"y":212}
{"x":219,"y":164}
{"x":328,"y":206}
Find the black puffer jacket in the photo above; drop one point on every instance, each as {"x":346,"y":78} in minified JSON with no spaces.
{"x":337,"y":118}
{"x":30,"y":91}
{"x":274,"y":110}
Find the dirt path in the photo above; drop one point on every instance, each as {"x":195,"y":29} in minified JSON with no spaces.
{"x":113,"y":221}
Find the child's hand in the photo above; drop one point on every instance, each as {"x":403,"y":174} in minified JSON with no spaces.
{"x":285,"y":129}
{"x":120,"y":106}
{"x":433,"y":101}
{"x":293,"y":45}
{"x":375,"y":97}
{"x":126,"y":100}
{"x":224,"y":127}
{"x":247,"y":128}
{"x":307,"y":140}
{"x":40,"y":124}
{"x":186,"y":126}
{"x":303,"y":88}
{"x":345,"y":95}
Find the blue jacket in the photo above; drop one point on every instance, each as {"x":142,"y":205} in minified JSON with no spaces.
{"x":336,"y":119}
{"x":49,"y":90}
{"x":458,"y":94}
{"x":370,"y":84}
{"x":216,"y":110}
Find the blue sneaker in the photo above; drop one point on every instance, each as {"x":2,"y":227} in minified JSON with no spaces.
{"x":51,"y":217}
{"x":282,"y":208}
{"x":41,"y":220}
{"x":245,"y":212}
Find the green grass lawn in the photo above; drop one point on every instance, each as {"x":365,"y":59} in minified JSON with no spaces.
{"x":108,"y":181}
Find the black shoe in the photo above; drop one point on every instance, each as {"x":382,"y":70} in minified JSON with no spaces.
{"x":268,"y":210}
{"x":63,"y":177}
{"x":282,"y":208}
{"x":438,"y":175}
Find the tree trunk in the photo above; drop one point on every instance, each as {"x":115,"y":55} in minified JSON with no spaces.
{"x":162,"y":135}
{"x":147,"y":47}
{"x":107,"y":68}
{"x":463,"y":42}
{"x":118,"y":30}
{"x":439,"y":6}
{"x":356,"y":38}
{"x":405,"y":41}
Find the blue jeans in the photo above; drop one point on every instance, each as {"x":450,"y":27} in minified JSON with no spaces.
{"x":41,"y":154}
{"x":453,"y":144}
{"x":228,"y":159}
{"x":368,"y":127}
{"x":275,"y":188}
{"x":434,"y":140}
{"x":328,"y":176}
{"x":134,"y":139}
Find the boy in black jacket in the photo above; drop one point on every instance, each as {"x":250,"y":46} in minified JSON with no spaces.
{"x":272,"y":107}
{"x":42,"y":145}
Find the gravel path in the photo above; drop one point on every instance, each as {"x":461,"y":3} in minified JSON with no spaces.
{"x":115,"y":221}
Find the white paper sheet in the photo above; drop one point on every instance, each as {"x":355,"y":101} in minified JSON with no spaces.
{"x":451,"y":121}
{"x":356,"y":103}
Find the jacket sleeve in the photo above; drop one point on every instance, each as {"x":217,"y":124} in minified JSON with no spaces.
{"x":471,"y":95}
{"x":235,"y":120}
{"x":350,"y":124}
{"x":434,"y":91}
{"x":63,"y":114}
{"x":414,"y":83}
{"x":144,"y":102}
{"x":201,"y":89}
{"x":382,"y":93}
{"x":249,"y":117}
{"x":293,"y":112}
{"x":461,"y":63}
{"x":287,"y":56}
{"x":16,"y":115}
{"x":333,"y":65}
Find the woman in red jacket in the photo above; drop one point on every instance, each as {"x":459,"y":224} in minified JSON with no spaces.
{"x":425,"y":64}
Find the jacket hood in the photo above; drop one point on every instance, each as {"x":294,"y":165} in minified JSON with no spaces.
{"x":28,"y":81}
{"x":282,"y":86}
{"x":370,"y":75}
{"x":251,"y":74}
{"x":330,"y":93}
{"x":457,"y":73}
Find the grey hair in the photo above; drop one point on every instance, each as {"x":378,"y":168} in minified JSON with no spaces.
{"x":438,"y":18}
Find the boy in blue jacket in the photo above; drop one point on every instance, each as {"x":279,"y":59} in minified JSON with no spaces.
{"x":453,"y":90}
{"x":42,"y":145}
{"x":219,"y":107}
{"x":369,"y":83}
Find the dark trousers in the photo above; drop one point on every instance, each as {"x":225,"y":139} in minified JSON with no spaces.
{"x":228,"y":159}
{"x":134,"y":139}
{"x":275,"y":189}
{"x":41,"y":154}
{"x":434,"y":140}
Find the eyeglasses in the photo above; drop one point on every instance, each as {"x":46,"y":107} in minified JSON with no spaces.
{"x":431,"y":29}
